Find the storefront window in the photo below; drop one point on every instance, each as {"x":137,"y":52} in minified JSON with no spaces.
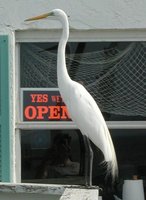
{"x":57,"y":156}
{"x":131,"y":151}
{"x":130,"y":146}
{"x":52,"y":156}
{"x":113,"y":72}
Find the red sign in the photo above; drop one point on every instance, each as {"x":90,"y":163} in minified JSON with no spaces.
{"x":43,"y":105}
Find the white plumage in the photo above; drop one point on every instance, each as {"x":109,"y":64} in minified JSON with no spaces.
{"x":82,"y":107}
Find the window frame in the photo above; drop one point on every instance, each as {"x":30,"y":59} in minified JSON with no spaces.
{"x":83,"y":36}
{"x":75,"y":36}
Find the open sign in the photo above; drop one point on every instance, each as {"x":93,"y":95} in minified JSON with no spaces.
{"x":43,"y":105}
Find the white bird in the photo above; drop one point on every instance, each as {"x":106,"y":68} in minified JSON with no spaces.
{"x":82,"y":108}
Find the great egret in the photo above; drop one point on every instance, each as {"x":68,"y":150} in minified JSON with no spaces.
{"x":81,"y":106}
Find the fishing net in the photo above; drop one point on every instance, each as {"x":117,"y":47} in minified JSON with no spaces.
{"x":116,"y":78}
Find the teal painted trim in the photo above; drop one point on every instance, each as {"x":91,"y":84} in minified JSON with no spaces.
{"x":5,"y":132}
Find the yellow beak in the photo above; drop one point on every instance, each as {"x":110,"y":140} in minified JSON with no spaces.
{"x":40,"y":16}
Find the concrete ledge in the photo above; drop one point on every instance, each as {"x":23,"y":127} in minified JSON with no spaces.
{"x":80,"y":194}
{"x":27,"y":191}
{"x":32,"y":188}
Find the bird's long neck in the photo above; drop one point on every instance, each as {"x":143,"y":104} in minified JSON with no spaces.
{"x":62,"y":73}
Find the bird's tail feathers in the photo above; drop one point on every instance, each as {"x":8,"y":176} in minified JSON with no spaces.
{"x":110,"y":157}
{"x":111,"y":170}
{"x":112,"y":166}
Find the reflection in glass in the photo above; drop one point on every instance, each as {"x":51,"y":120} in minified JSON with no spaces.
{"x":49,"y":154}
{"x":113,"y":72}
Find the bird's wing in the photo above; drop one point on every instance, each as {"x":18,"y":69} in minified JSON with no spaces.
{"x":87,"y":116}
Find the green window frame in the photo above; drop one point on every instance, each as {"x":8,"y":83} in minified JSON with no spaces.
{"x":4,"y":111}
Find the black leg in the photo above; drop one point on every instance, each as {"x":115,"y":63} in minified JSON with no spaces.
{"x":88,"y":161}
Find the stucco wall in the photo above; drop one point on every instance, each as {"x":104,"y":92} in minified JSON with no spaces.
{"x":84,"y":14}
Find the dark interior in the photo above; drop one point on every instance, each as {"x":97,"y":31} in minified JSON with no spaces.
{"x":36,"y":150}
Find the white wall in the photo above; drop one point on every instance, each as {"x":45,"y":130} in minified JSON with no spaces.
{"x":84,"y":14}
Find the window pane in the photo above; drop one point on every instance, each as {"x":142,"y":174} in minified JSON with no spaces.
{"x":130,"y":146}
{"x":113,"y":72}
{"x":51,"y":156}
{"x":43,"y":161}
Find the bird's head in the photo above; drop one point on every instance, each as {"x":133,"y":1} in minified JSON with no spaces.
{"x":56,"y":13}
